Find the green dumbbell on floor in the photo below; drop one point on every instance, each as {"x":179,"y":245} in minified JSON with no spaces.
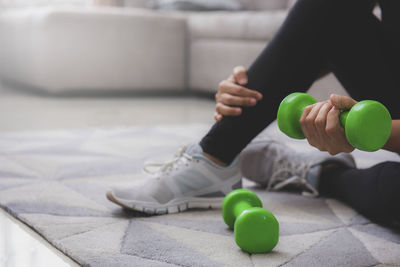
{"x":256,"y":229}
{"x":367,"y":124}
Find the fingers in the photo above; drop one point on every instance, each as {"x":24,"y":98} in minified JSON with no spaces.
{"x":232,"y":100}
{"x":342,"y":102}
{"x":225,"y":110}
{"x":332,"y":121}
{"x":308,"y":126}
{"x":232,"y":95}
{"x":240,"y":75}
{"x":336,"y":133}
{"x":217,"y":116}
{"x":229,"y":87}
{"x":321,"y":118}
{"x":320,"y":125}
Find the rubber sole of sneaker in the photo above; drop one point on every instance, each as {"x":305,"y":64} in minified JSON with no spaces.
{"x":175,"y":207}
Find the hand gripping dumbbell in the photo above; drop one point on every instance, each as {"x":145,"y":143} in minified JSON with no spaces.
{"x":256,"y":229}
{"x":367,"y":124}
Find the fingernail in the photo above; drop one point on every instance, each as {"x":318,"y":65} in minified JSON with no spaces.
{"x":253,"y":101}
{"x":243,"y":80}
{"x":260,"y":96}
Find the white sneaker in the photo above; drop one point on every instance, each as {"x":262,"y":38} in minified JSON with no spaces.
{"x":274,"y":165}
{"x":190,"y":180}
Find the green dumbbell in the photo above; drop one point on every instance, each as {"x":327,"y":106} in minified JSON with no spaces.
{"x":256,"y":229}
{"x":367,"y":124}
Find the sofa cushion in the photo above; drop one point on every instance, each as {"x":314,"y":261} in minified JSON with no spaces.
{"x":250,"y":25}
{"x":256,"y":5}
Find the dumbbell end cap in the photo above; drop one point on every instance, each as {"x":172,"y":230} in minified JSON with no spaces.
{"x":368,"y":125}
{"x":256,"y":231}
{"x":289,"y":113}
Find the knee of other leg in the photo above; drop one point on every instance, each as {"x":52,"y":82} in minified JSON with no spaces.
{"x":389,"y":186}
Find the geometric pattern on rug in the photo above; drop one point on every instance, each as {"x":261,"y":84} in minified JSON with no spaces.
{"x":55,"y":182}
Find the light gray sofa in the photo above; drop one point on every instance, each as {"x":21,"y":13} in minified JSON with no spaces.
{"x":60,"y":49}
{"x":132,"y":47}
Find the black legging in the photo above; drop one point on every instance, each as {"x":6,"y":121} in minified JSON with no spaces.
{"x":374,"y":192}
{"x":340,"y":36}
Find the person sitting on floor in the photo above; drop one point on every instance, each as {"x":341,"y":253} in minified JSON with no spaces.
{"x":343,"y":37}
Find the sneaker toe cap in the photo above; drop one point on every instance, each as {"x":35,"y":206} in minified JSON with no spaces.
{"x":129,"y":194}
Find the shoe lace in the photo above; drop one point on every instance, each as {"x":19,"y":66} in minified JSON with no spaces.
{"x":291,"y":171}
{"x":180,"y":158}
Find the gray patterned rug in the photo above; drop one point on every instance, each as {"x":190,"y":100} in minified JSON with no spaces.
{"x":55,"y":182}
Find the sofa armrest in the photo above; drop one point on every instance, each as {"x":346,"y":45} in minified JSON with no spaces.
{"x":63,"y":49}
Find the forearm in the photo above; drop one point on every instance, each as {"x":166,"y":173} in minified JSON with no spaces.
{"x":393,"y":144}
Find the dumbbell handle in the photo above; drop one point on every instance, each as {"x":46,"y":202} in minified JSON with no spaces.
{"x":240,"y":207}
{"x":342,"y":118}
{"x":236,"y":202}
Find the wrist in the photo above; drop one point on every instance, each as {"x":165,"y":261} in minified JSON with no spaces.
{"x":393,"y":143}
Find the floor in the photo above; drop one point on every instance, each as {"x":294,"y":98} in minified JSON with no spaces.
{"x":26,"y":111}
{"x":22,"y":110}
